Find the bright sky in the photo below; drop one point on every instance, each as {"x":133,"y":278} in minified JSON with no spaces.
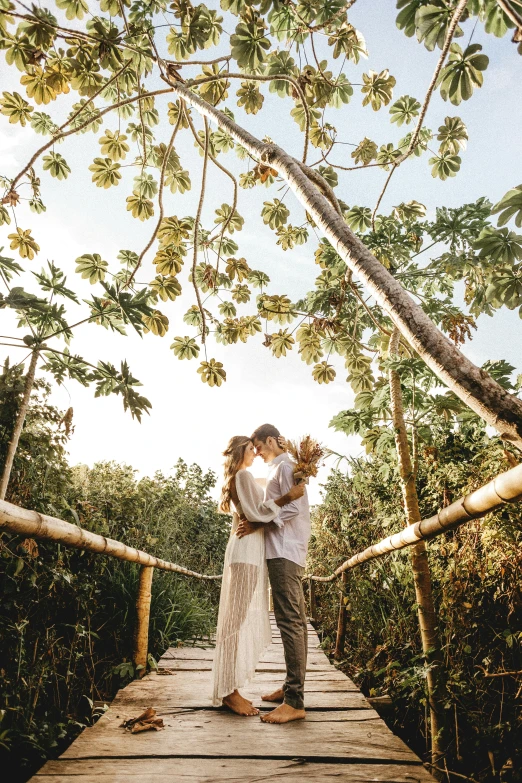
{"x":189,"y":419}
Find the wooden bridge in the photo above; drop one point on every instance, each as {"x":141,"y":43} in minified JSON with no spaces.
{"x":342,"y":738}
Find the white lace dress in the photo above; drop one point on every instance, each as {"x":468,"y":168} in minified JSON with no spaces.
{"x":243,"y":629}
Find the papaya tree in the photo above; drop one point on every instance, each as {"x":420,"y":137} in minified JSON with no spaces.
{"x":395,"y":411}
{"x":48,"y":335}
{"x":145,"y":64}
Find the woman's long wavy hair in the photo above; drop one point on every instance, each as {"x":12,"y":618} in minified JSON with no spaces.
{"x":234,"y":455}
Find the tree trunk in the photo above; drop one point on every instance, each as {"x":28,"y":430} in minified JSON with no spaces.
{"x":19,"y":425}
{"x":420,"y":566}
{"x":471,"y":384}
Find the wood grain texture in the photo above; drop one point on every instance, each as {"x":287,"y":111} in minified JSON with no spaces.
{"x":192,"y":689}
{"x":210,"y":733}
{"x":342,"y":739}
{"x":219,"y":771}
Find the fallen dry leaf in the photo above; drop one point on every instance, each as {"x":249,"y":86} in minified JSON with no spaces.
{"x":147,"y":721}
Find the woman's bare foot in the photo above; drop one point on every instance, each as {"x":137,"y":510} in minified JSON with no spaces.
{"x":239,"y":705}
{"x":277,"y":695}
{"x":283,"y":714}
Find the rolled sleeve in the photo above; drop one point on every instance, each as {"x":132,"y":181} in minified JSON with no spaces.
{"x":286,"y":481}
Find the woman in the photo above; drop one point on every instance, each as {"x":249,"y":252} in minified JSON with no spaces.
{"x":243,"y":629}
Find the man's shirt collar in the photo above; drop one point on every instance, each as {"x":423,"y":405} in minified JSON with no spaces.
{"x":280,"y":458}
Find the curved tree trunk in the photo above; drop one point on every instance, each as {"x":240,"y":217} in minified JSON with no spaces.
{"x":19,"y":425}
{"x":420,"y":566}
{"x":474,"y":386}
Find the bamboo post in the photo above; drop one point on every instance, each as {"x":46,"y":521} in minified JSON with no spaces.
{"x":341,"y":621}
{"x":311,"y":595}
{"x":141,"y":638}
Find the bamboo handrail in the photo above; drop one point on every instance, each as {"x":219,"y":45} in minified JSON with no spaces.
{"x":23,"y":522}
{"x":505,"y":488}
{"x":30,"y":523}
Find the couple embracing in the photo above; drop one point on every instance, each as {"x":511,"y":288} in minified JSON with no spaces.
{"x":269,"y":540}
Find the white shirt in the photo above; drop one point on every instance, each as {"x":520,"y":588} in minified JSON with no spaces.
{"x":291,"y":540}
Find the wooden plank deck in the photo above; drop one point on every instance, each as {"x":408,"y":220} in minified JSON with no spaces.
{"x":342,"y":738}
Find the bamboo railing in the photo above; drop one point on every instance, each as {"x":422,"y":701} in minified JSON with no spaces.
{"x":21,"y":521}
{"x":505,"y":488}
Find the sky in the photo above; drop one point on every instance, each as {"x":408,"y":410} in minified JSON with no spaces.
{"x":189,"y":419}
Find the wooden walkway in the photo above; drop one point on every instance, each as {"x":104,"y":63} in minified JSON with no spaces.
{"x":342,"y":738}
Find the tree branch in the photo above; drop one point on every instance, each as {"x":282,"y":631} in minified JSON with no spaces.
{"x":459,"y":10}
{"x":259,"y":78}
{"x":80,"y":127}
{"x":196,"y":231}
{"x":160,"y":201}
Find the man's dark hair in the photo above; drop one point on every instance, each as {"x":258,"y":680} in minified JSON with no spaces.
{"x":265,"y":431}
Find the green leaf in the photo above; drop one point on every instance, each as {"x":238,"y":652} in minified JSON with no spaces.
{"x":9,"y":267}
{"x":281,"y":63}
{"x":232,"y":218}
{"x":432,"y":22}
{"x":5,"y":217}
{"x":281,"y":342}
{"x":463,"y":73}
{"x":258,"y":279}
{"x":365,"y":152}
{"x":178,"y":181}
{"x":329,"y":174}
{"x":299,"y":115}
{"x":453,"y":135}
{"x":237,"y":267}
{"x":320,"y":136}
{"x":91,"y":267}
{"x":411,"y":210}
{"x":387,"y":155}
{"x":185,"y":348}
{"x":348,"y":42}
{"x":241,"y":294}
{"x":445,"y":165}
{"x":157,"y":323}
{"x":249,"y":44}
{"x":16,"y":108}
{"x":215,"y":91}
{"x":113,"y":144}
{"x":166,"y":287}
{"x":56,"y":165}
{"x":323,"y":373}
{"x":510,"y":205}
{"x":43,"y":124}
{"x":276,"y":308}
{"x":406,"y":18}
{"x":404,"y":110}
{"x":140,"y":207}
{"x":24,"y":243}
{"x":275,"y":213}
{"x":227,"y":309}
{"x":212,"y":372}
{"x":74,"y":9}
{"x":499,"y":245}
{"x":359,"y":218}
{"x":105,"y":172}
{"x":249,"y":97}
{"x":377,"y":88}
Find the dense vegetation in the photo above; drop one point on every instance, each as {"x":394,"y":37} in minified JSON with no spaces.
{"x":67,"y":617}
{"x":476,"y":580}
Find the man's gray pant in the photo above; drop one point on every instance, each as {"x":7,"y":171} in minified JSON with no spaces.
{"x":290,"y":614}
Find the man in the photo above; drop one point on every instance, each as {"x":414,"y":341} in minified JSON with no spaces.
{"x":286,"y":549}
